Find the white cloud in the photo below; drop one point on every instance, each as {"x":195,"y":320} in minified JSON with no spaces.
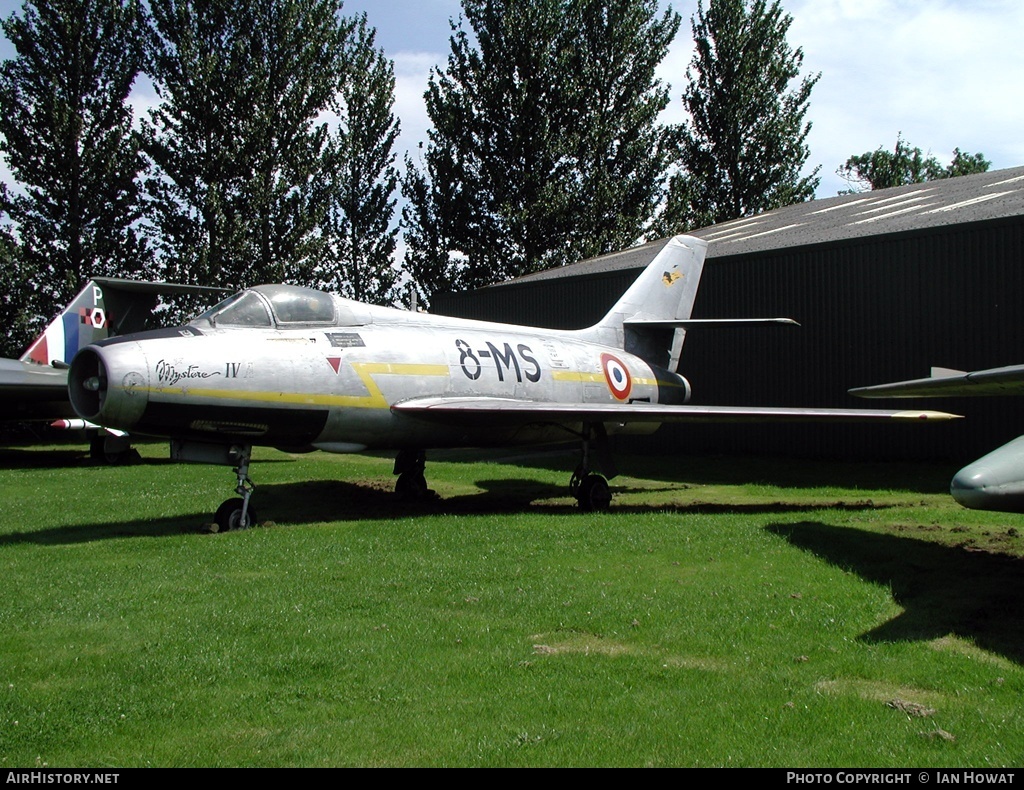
{"x":943,"y":74}
{"x":412,"y":71}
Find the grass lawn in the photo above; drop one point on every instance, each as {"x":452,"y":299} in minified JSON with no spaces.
{"x":725,"y":612}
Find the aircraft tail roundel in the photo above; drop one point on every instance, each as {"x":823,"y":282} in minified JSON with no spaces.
{"x":649,"y":318}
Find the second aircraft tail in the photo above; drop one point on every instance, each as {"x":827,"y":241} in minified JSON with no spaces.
{"x":82,"y":322}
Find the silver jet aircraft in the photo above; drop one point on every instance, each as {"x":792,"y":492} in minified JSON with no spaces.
{"x":298,"y":369}
{"x":995,"y":481}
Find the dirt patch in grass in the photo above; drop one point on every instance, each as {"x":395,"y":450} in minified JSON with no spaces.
{"x":897,"y":697}
{"x":579,"y":643}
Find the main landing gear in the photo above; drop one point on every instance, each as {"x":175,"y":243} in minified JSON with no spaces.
{"x":113,"y":450}
{"x":411,"y":485}
{"x":236,"y":513}
{"x":591,"y":490}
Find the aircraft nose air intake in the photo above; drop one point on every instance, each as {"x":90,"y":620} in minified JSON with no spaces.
{"x":102,"y":393}
{"x":87,"y":384}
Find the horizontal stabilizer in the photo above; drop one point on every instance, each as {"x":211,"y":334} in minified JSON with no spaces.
{"x":697,"y":323}
{"x":157,"y":288}
{"x":507,"y":411}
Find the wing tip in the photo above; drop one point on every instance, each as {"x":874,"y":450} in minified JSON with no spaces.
{"x":925,"y":416}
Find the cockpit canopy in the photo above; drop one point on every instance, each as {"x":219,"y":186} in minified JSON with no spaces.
{"x":281,"y":306}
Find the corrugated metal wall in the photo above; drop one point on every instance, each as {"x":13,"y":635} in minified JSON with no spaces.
{"x":872,"y":310}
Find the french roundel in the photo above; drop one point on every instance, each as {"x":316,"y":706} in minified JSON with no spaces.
{"x":617,"y":376}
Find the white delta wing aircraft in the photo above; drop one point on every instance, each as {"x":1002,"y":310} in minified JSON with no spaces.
{"x":299,"y":369}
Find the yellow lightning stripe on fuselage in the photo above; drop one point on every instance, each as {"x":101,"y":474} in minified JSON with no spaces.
{"x":595,"y":377}
{"x":365,"y":370}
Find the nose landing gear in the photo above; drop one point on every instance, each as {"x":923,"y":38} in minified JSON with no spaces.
{"x":236,"y":513}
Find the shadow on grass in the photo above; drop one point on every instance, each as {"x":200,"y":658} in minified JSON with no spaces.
{"x":56,"y":458}
{"x":909,"y":477}
{"x":75,"y":457}
{"x":943,"y":590}
{"x":86,"y":533}
{"x":314,"y":501}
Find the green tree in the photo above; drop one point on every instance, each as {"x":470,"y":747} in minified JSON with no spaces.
{"x":67,"y":134}
{"x":743,"y":149}
{"x":622,"y":153}
{"x":237,"y":141}
{"x":16,"y":314}
{"x":965,"y":164}
{"x":545,"y":146}
{"x":903,"y":165}
{"x":359,"y":238}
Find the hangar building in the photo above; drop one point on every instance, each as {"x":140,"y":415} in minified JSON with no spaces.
{"x":885,"y":284}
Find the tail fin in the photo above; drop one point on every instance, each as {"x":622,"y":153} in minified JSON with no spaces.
{"x":648,"y":319}
{"x":106,"y":306}
{"x":82,"y":322}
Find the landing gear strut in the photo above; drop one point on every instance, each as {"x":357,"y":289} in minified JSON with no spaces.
{"x":591,"y":490}
{"x":412,"y":483}
{"x":236,"y":513}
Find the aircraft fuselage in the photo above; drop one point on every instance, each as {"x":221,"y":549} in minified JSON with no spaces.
{"x":332,"y":387}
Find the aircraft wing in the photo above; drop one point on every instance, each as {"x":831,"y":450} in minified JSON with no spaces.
{"x":942,"y":382}
{"x":502,"y":411}
{"x":31,"y":380}
{"x":29,"y":391}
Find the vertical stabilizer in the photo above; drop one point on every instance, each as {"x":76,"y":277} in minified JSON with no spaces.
{"x":82,"y":322}
{"x":640,"y":322}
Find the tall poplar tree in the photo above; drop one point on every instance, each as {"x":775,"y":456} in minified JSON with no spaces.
{"x":67,"y":134}
{"x":16,"y":314}
{"x":545,"y":146}
{"x":622,"y":152}
{"x":743,"y":149}
{"x":238,"y":142}
{"x":359,"y":236}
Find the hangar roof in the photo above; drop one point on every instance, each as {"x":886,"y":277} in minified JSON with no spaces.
{"x":953,"y":201}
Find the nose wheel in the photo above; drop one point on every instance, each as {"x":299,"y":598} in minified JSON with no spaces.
{"x":236,"y":513}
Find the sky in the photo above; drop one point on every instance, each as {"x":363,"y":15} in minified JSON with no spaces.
{"x":945,"y":74}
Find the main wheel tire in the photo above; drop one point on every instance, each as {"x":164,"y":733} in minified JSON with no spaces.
{"x":411,"y":486}
{"x":594,"y":494}
{"x":112,"y":451}
{"x":229,"y":516}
